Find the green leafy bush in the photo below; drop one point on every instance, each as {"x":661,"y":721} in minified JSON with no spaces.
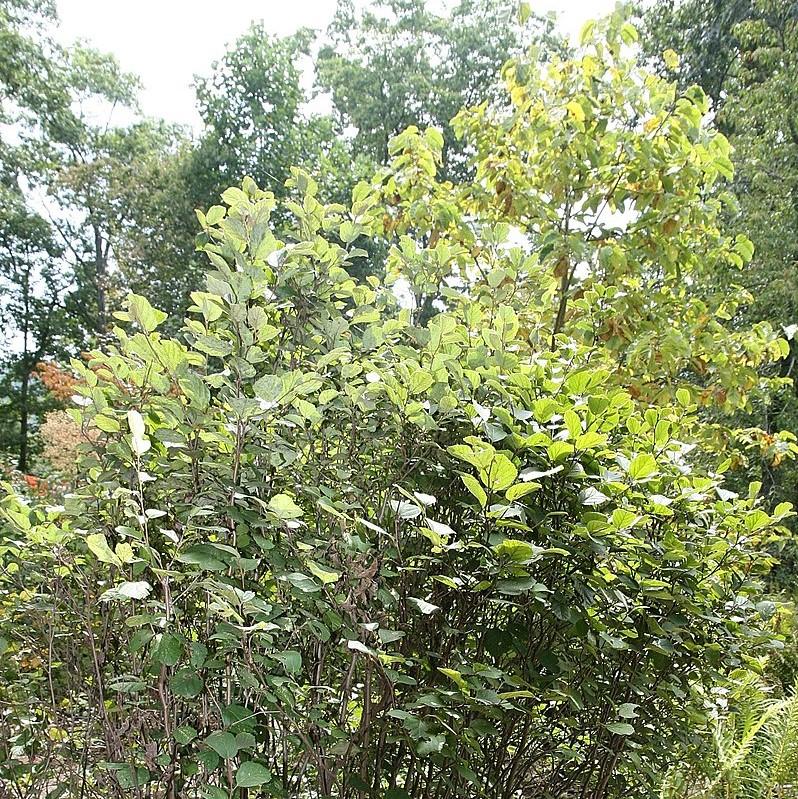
{"x":329,"y":545}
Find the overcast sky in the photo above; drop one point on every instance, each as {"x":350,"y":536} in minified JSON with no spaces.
{"x":167,"y":42}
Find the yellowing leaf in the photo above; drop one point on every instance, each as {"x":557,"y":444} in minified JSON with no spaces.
{"x":284,"y":507}
{"x":98,"y":545}
{"x":576,"y":111}
{"x":671,"y":59}
{"x":327,"y":576}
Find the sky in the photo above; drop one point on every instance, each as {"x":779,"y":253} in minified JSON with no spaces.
{"x":167,"y":42}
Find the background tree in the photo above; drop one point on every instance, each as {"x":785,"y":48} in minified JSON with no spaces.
{"x":33,"y":316}
{"x":396,"y":63}
{"x":745,"y":55}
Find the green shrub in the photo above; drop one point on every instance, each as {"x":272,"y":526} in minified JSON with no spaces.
{"x":327,"y":545}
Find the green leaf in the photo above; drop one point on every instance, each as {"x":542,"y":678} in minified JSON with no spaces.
{"x":203,"y":555}
{"x":211,"y":345}
{"x":106,"y":423}
{"x":168,"y":649}
{"x":98,"y":546}
{"x":215,"y":214}
{"x":642,"y":466}
{"x":516,"y":551}
{"x":223,"y":743}
{"x":472,"y":484}
{"x":420,"y":381}
{"x":269,"y":388}
{"x":252,"y":774}
{"x":500,"y":474}
{"x":301,"y":582}
{"x":628,"y":710}
{"x":327,"y":576}
{"x":283,"y":506}
{"x":291,"y":660}
{"x":142,"y":312}
{"x":186,"y":683}
{"x":184,"y":735}
{"x":620,"y":728}
{"x":520,"y":490}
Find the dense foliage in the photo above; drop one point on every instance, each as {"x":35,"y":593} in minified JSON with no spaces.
{"x":98,"y":200}
{"x":459,"y":533}
{"x":743,"y":53}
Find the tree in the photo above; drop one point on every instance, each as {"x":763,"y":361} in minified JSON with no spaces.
{"x":252,"y":109}
{"x":32,"y":313}
{"x":342,"y":548}
{"x":79,"y":220}
{"x":750,"y":72}
{"x":703,"y":34}
{"x":399,"y":64}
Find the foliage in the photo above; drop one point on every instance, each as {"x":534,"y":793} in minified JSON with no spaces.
{"x":398,"y":63}
{"x":330,"y":545}
{"x":744,"y":54}
{"x":755,"y":754}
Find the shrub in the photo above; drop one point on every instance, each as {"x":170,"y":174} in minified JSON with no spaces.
{"x":327,"y":545}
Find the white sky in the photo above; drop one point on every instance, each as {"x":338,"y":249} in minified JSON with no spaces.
{"x":167,"y":42}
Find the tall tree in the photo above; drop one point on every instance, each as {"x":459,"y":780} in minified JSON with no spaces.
{"x":252,"y":107}
{"x":398,"y":63}
{"x":745,"y":55}
{"x":31,"y":313}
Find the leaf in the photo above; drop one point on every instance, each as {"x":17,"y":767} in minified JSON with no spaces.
{"x":98,"y":546}
{"x":142,"y":312}
{"x":404,"y":509}
{"x":642,"y":466}
{"x":629,"y":33}
{"x":168,"y":649}
{"x":327,"y":576}
{"x":203,"y":555}
{"x":421,"y":605}
{"x":186,"y":683}
{"x":139,"y":441}
{"x":252,"y":774}
{"x":620,"y":728}
{"x":516,"y":551}
{"x":530,"y":474}
{"x":269,"y":388}
{"x":124,"y":552}
{"x":283,"y":506}
{"x":223,"y":743}
{"x":670,"y":58}
{"x":576,"y":111}
{"x":184,"y":735}
{"x":472,"y":484}
{"x":195,"y":389}
{"x":106,"y":423}
{"x":291,"y":660}
{"x":520,"y":490}
{"x":628,"y":710}
{"x":215,"y":214}
{"x":428,"y":746}
{"x":500,"y":474}
{"x":212,"y":345}
{"x":592,"y":496}
{"x":587,"y":32}
{"x":136,"y":590}
{"x":301,"y":582}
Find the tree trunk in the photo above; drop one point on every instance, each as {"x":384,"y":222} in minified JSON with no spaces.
{"x":22,"y":464}
{"x":100,"y":266}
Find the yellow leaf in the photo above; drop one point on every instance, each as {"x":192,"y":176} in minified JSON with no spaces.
{"x":576,"y":111}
